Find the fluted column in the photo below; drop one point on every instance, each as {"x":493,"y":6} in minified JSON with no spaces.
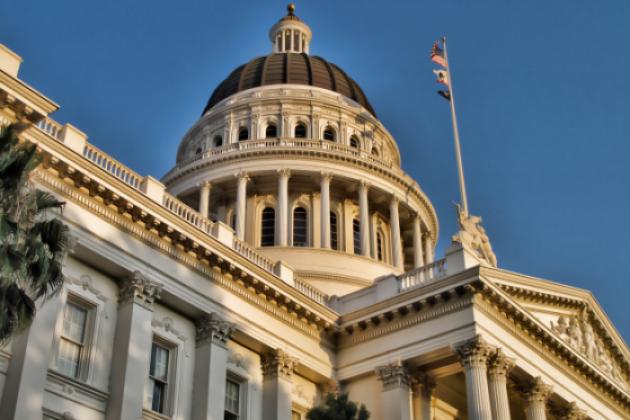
{"x":396,"y":395}
{"x":364,"y":220}
{"x":536,"y":393}
{"x":498,"y":368}
{"x":211,"y":358}
{"x":130,"y":368}
{"x":241,"y":200}
{"x":473,"y":356}
{"x":282,"y":226}
{"x":277,"y":369}
{"x":428,"y":248}
{"x":204,"y":198}
{"x":418,"y":254}
{"x":394,"y":219}
{"x":325,"y":207}
{"x":425,"y":385}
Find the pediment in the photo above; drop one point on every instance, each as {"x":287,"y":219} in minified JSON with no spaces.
{"x":574,"y":317}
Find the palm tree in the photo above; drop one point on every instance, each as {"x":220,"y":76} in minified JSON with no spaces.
{"x":32,"y":242}
{"x":338,"y":407}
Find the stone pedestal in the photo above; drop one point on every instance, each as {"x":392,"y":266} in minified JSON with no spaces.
{"x":211,"y":357}
{"x":132,"y":345}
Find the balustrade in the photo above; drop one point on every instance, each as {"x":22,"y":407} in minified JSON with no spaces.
{"x":422,"y":275}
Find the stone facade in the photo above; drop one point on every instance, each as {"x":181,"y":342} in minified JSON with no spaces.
{"x":185,"y":300}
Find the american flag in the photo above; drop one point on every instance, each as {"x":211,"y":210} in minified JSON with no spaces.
{"x":437,"y":55}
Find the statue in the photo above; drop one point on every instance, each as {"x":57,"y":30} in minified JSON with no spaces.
{"x":473,"y":237}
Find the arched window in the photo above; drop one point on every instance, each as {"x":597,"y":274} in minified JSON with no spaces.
{"x":217,"y":141}
{"x":299,"y":226}
{"x":296,"y":41}
{"x":329,"y":134}
{"x":271,"y":131}
{"x":374,"y":151}
{"x":379,"y":246}
{"x":268,"y":227}
{"x":198,"y":151}
{"x":243,"y":134}
{"x":333,"y":230}
{"x":356,"y":235}
{"x":300,"y":131}
{"x":287,"y":41}
{"x":354,"y":142}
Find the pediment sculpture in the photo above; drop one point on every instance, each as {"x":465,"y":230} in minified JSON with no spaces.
{"x":472,"y":236}
{"x":578,"y":333}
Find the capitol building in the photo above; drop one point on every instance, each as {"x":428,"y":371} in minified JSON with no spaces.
{"x":287,"y":255}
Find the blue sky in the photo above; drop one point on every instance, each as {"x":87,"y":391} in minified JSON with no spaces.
{"x":542,"y":94}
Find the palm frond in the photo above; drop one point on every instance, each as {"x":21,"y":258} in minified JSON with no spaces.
{"x":45,"y":200}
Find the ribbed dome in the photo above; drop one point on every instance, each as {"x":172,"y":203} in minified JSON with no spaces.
{"x":291,"y":68}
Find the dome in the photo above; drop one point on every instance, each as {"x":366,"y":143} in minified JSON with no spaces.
{"x":289,"y":68}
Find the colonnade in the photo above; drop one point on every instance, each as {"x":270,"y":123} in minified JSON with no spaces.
{"x":486,"y":370}
{"x":422,"y":241}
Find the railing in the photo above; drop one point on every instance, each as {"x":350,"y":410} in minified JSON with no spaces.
{"x":289,"y":143}
{"x":50,"y":127}
{"x":251,"y":254}
{"x":422,"y":275}
{"x":191,"y":216}
{"x":310,"y":291}
{"x":112,"y":166}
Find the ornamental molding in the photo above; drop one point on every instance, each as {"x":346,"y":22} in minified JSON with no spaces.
{"x":86,"y":283}
{"x":278,"y":364}
{"x":393,"y":375}
{"x":212,"y":266}
{"x":138,"y":289}
{"x":166,"y":324}
{"x":211,"y":328}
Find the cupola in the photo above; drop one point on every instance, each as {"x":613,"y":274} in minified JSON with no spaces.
{"x":290,"y":34}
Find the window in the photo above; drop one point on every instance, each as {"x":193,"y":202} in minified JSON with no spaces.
{"x":217,"y":141}
{"x":354,"y":142}
{"x":232,"y":400}
{"x":375,"y":151}
{"x":300,"y":131}
{"x":299,"y":227}
{"x":271,"y":131}
{"x":267,"y":227}
{"x":243,"y":134}
{"x":73,"y":340}
{"x":198,"y":151}
{"x":287,"y":41}
{"x":379,"y":246}
{"x":329,"y":134}
{"x":159,"y":372}
{"x":356,"y":234}
{"x":333,"y":230}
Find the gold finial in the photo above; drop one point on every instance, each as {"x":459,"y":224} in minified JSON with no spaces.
{"x":291,"y":9}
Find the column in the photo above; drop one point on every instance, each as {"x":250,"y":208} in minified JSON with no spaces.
{"x":364,"y":220}
{"x":428,"y":248}
{"x":418,"y":255}
{"x":277,"y":369}
{"x":325,"y":207}
{"x":24,"y":386}
{"x":424,"y":387}
{"x":498,"y":368}
{"x":282,"y":225}
{"x":396,"y":394}
{"x":211,"y":358}
{"x":573,"y":412}
{"x":132,"y":346}
{"x":536,"y":393}
{"x":204,"y":198}
{"x":473,"y":356}
{"x":241,"y":199}
{"x":394,"y":219}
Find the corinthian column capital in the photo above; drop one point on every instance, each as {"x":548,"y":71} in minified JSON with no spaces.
{"x":536,"y":391}
{"x":284,"y":172}
{"x":393,"y":375}
{"x":278,"y":364}
{"x":138,"y":289}
{"x":212,"y":328}
{"x":474,"y":353}
{"x":573,"y":412}
{"x":499,"y":364}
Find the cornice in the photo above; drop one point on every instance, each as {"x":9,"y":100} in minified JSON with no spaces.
{"x":45,"y":105}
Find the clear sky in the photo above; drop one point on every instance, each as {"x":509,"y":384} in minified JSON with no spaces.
{"x":542,"y":92}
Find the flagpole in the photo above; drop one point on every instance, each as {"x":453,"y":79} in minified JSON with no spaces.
{"x":458,"y":151}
